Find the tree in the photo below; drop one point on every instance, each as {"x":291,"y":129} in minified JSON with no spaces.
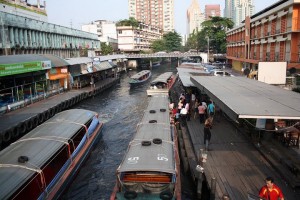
{"x":128,"y":22}
{"x":158,"y":45}
{"x":215,"y":29}
{"x":172,"y":41}
{"x":106,"y":49}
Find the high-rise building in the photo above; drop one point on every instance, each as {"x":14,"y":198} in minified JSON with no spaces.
{"x":237,"y":10}
{"x":159,"y":13}
{"x":212,"y":11}
{"x":194,"y":17}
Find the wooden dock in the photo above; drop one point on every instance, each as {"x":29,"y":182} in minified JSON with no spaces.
{"x":235,"y":167}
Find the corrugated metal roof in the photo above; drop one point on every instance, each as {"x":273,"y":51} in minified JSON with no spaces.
{"x":241,"y":97}
{"x":11,"y":59}
{"x":103,"y":66}
{"x":79,"y":60}
{"x":61,"y":127}
{"x":156,"y":157}
{"x":186,"y":72}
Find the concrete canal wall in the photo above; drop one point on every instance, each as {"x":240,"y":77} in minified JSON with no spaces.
{"x":17,"y":123}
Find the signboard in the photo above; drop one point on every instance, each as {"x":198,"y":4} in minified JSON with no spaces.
{"x":272,"y":72}
{"x":20,"y":68}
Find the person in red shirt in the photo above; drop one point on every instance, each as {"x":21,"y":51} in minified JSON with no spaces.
{"x":270,"y":191}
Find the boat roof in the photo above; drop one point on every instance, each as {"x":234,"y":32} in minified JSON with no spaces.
{"x":155,"y":157}
{"x":241,"y":97}
{"x":39,"y":145}
{"x":163,"y":78}
{"x":140,"y":74}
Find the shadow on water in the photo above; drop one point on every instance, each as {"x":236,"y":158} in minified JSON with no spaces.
{"x":120,"y":108}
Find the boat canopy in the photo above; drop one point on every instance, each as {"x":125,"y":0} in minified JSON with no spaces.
{"x":163,"y":78}
{"x":140,"y":74}
{"x":39,"y":146}
{"x":152,"y":148}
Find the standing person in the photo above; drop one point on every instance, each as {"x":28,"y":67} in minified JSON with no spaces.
{"x":193,"y":99}
{"x":270,"y":191}
{"x":195,"y":107}
{"x":207,"y":133}
{"x":201,"y":111}
{"x":211,"y":111}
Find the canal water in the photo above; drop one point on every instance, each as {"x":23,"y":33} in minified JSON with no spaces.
{"x":121,"y":109}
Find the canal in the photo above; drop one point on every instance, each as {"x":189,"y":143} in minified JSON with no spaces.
{"x":120,"y":108}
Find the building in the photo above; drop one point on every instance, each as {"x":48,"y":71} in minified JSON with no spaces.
{"x":136,"y":39}
{"x":271,"y":35}
{"x":158,"y":13}
{"x":105,"y":30}
{"x":237,"y":10}
{"x":194,"y":17}
{"x":212,"y":11}
{"x":24,"y":30}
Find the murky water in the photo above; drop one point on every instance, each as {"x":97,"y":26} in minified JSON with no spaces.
{"x":121,"y":108}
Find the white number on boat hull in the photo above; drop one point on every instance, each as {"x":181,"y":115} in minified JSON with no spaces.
{"x":133,"y":160}
{"x":162,"y":157}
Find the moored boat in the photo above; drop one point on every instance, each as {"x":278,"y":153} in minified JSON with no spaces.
{"x":151,"y":167}
{"x":156,"y":64}
{"x":140,"y":77}
{"x":42,"y":163}
{"x":162,"y":84}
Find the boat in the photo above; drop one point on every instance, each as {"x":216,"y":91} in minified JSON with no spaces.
{"x":42,"y":163}
{"x":156,"y":64}
{"x":150,"y":168}
{"x":162,"y":84}
{"x":140,"y":77}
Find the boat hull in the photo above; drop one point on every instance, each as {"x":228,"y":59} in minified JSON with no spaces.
{"x":72,"y":171}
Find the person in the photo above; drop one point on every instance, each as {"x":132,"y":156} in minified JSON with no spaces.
{"x":207,"y":133}
{"x":270,"y":191}
{"x":201,"y":111}
{"x":196,"y":104}
{"x":211,"y":111}
{"x":188,"y":115}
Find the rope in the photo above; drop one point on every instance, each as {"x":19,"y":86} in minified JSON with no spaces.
{"x":50,"y":139}
{"x":39,"y":171}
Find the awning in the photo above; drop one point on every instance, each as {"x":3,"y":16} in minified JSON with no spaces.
{"x":242,"y":97}
{"x":57,"y":76}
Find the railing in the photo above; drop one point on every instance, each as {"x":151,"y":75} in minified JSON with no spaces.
{"x":22,"y":95}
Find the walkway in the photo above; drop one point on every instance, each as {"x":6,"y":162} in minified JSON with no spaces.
{"x":18,"y":122}
{"x":238,"y":166}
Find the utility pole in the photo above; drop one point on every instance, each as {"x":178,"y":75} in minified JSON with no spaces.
{"x":207,"y":49}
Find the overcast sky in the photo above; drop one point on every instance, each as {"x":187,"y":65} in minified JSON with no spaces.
{"x":78,"y":12}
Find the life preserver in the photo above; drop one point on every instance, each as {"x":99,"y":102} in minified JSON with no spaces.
{"x":130,"y":195}
{"x":23,"y":159}
{"x":166,"y":195}
{"x":146,"y":143}
{"x":157,"y":141}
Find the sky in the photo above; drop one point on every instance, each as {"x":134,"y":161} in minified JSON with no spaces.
{"x":75,"y":13}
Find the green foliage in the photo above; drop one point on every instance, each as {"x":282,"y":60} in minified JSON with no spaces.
{"x":158,"y":45}
{"x":106,"y":49}
{"x":214,"y":29}
{"x":171,"y":41}
{"x":128,"y":22}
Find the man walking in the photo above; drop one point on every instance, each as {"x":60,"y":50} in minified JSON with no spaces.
{"x":270,"y":191}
